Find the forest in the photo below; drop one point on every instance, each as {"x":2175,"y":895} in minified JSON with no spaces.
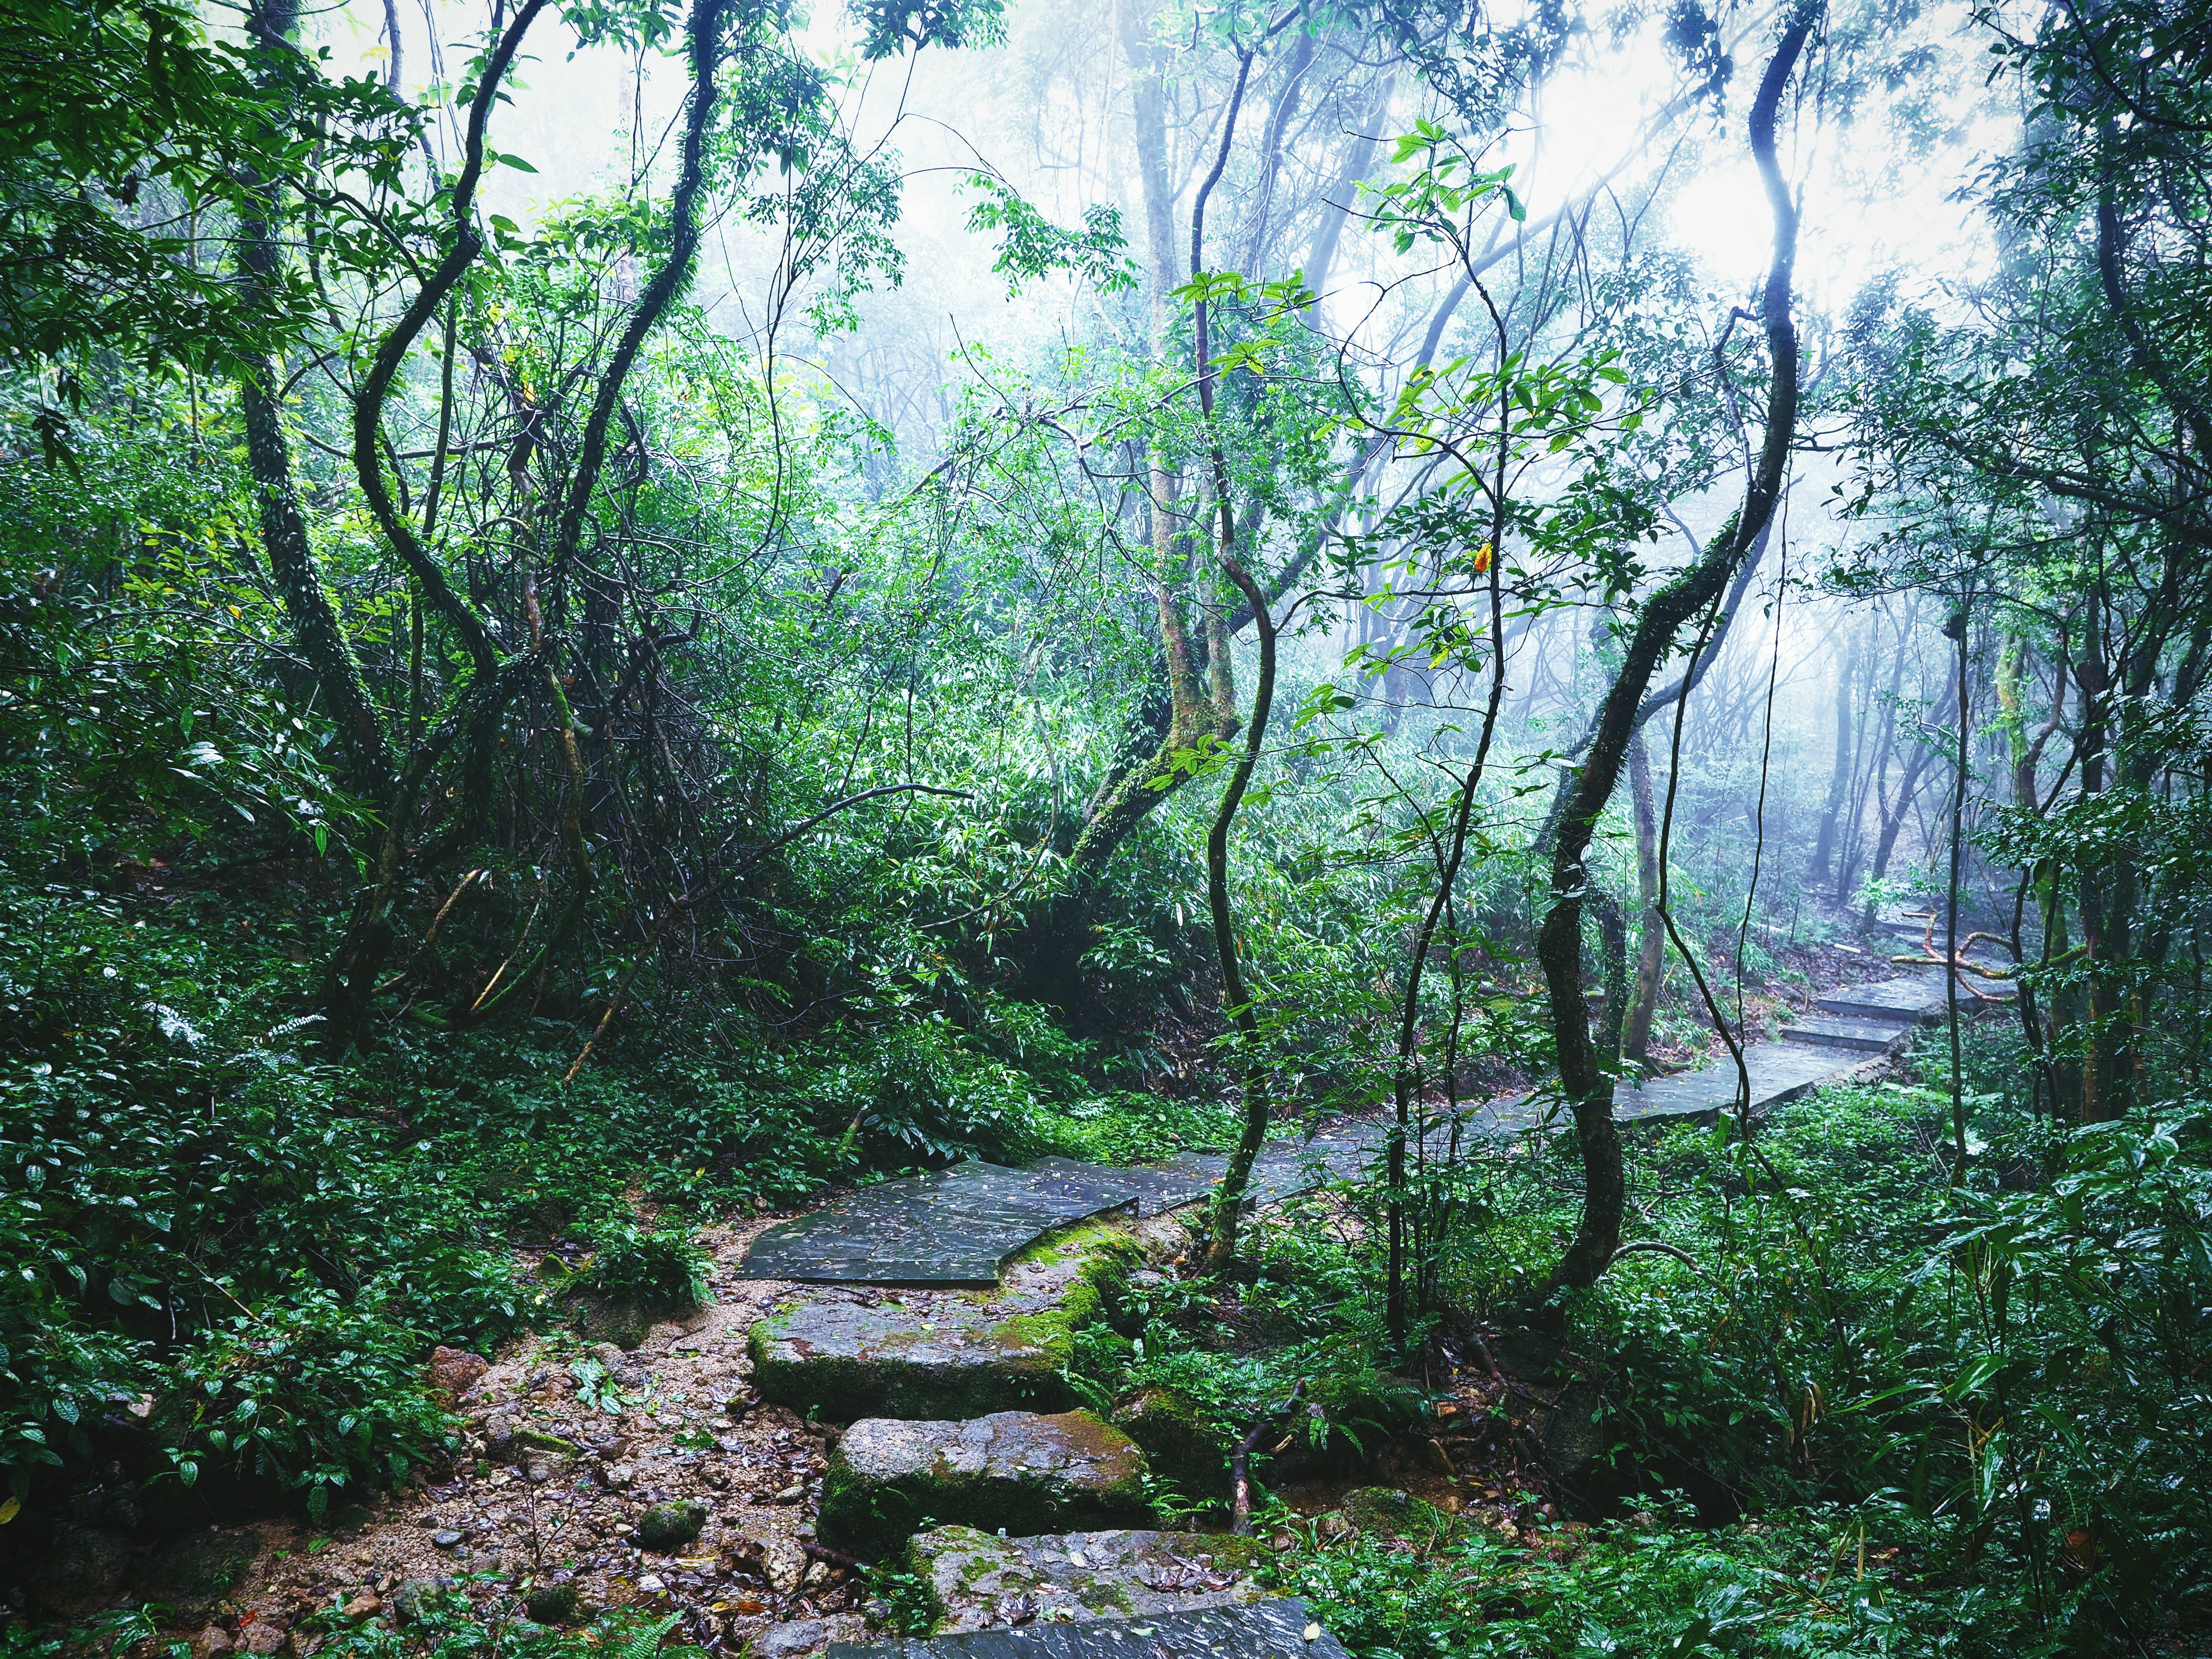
{"x":950,"y":828}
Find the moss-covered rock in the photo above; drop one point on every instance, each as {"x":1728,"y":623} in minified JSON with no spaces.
{"x":193,"y":1573}
{"x":1387,"y":1513}
{"x":1025,"y":1472}
{"x":946,"y":1355}
{"x":969,"y":1576}
{"x":667,"y":1528}
{"x":417,"y":1599}
{"x":554,"y":1604}
{"x":1173,"y":1437}
{"x":83,"y":1569}
{"x":608,"y":1319}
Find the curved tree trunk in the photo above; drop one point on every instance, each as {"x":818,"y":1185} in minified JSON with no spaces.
{"x":1586,"y":1083}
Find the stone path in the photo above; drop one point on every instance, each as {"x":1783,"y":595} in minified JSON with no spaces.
{"x":1280,"y":1629}
{"x":1026,"y":1471}
{"x":974,"y":1579}
{"x":960,"y":1227}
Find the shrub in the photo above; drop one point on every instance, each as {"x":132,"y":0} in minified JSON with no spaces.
{"x":304,"y":1394}
{"x":659,"y":1268}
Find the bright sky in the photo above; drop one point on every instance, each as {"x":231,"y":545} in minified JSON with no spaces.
{"x":1864,"y":211}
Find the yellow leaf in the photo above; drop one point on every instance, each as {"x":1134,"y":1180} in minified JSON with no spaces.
{"x":10,"y":1510}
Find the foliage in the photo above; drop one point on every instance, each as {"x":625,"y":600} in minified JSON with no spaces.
{"x":659,"y":1268}
{"x":305,"y":1394}
{"x":1820,"y":1583}
{"x":451,"y":1627}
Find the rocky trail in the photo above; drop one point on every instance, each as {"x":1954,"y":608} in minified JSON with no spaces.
{"x":884,"y":1376}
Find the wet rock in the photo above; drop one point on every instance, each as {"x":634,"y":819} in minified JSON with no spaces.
{"x":350,"y":1520}
{"x":192,"y":1574}
{"x":784,"y":1563}
{"x":213,"y":1642}
{"x":792,"y":1640}
{"x":666,"y":1528}
{"x":264,"y":1635}
{"x":455,"y":1371}
{"x":539,"y":1467}
{"x":621,"y":1369}
{"x":946,"y":1356}
{"x":416,"y":1600}
{"x":1018,"y":1470}
{"x":1254,"y":1630}
{"x":447,"y":1539}
{"x":976,"y":1580}
{"x":623,"y":1324}
{"x":82,"y":1571}
{"x":1168,"y":1429}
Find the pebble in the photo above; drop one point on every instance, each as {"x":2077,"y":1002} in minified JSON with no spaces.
{"x":447,"y":1539}
{"x":651,"y":1584}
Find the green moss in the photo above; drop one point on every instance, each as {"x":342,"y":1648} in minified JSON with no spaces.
{"x":1091,"y":1244}
{"x":873,"y":1518}
{"x":848,"y":1363}
{"x":1172,"y":1434}
{"x":1386,"y":1512}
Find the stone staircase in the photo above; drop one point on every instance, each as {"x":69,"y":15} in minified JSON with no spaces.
{"x":935,"y":1318}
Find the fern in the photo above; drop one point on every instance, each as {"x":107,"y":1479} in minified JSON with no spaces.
{"x":644,"y":1641}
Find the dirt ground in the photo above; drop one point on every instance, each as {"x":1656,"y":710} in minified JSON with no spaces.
{"x":523,"y":1510}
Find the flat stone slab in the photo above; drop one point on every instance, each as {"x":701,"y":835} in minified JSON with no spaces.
{"x":978,"y":1581}
{"x":1872,"y":1036}
{"x":1027,"y":1473}
{"x":1167,"y":1185}
{"x":1255,"y":1630}
{"x":1912,"y":1002}
{"x":956,"y":1226}
{"x":960,"y":1226}
{"x":1780,"y":1072}
{"x":943,"y":1355}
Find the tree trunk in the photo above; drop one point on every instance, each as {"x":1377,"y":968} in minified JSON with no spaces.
{"x":1651,"y":930}
{"x":1839,"y":778}
{"x":1583,"y":1079}
{"x":307,"y":603}
{"x":1228,"y":1198}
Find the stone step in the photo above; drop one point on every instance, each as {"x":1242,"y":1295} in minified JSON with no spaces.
{"x":976,"y":1580}
{"x":1281,"y":1629}
{"x":1169,"y":1184}
{"x":1780,"y":1072}
{"x":1021,"y":1471}
{"x":1914,"y":1001}
{"x":1873,"y":1036}
{"x":945,"y":1354}
{"x":950,"y":1227}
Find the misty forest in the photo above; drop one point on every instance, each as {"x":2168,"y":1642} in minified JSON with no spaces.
{"x":1105,"y":828}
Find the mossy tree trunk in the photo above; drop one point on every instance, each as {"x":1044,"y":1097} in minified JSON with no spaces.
{"x":1583,"y":1078}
